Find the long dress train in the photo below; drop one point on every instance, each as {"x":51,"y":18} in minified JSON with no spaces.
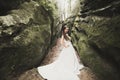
{"x":66,"y":67}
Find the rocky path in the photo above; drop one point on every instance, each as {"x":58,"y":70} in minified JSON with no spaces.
{"x":86,"y":73}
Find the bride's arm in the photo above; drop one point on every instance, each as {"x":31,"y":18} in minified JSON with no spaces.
{"x":68,"y":36}
{"x":62,"y":41}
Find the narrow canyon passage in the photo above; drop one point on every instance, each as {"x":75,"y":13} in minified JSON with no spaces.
{"x":29,"y":30}
{"x":67,"y":65}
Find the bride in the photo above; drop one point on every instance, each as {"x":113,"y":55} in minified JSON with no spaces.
{"x":66,"y":66}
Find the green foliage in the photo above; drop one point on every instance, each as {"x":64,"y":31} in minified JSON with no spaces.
{"x":49,"y":6}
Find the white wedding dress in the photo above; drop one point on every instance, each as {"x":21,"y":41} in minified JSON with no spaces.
{"x":65,"y":67}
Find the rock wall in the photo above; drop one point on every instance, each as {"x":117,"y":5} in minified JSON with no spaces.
{"x":95,"y":35}
{"x":26,"y":32}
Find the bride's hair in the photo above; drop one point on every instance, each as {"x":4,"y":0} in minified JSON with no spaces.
{"x":63,"y":28}
{"x":62,"y":31}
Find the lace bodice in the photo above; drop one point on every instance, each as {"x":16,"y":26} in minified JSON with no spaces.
{"x":66,"y":41}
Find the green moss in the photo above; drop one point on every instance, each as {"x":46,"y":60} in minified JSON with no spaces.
{"x":32,"y":29}
{"x":102,"y":32}
{"x":92,"y":60}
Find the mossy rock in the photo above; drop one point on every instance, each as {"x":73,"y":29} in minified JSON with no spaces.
{"x":26,"y":39}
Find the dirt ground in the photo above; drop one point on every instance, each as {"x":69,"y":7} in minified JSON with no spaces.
{"x":86,"y":73}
